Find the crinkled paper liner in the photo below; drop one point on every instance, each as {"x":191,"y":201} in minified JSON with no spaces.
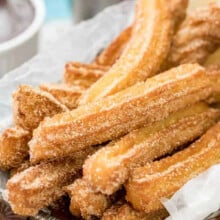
{"x":194,"y":201}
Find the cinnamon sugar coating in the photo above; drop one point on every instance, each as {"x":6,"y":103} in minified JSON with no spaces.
{"x":65,"y":94}
{"x":13,"y":147}
{"x":38,"y":186}
{"x":83,"y":75}
{"x":84,"y":201}
{"x":197,"y":37}
{"x":214,"y":73}
{"x":108,"y":168}
{"x":161,"y":179}
{"x":124,"y":211}
{"x":116,"y":115}
{"x":31,"y":106}
{"x":112,"y":53}
{"x":146,"y":50}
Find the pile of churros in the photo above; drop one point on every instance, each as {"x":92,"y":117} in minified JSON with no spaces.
{"x":119,"y":134}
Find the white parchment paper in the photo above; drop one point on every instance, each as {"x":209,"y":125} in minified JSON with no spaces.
{"x":198,"y":198}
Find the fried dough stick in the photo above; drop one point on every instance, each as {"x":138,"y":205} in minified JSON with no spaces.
{"x":108,"y":168}
{"x":214,"y":74}
{"x":65,"y":94}
{"x":13,"y":147}
{"x":124,"y":211}
{"x":144,"y":53}
{"x":85,"y":202}
{"x":116,"y":115}
{"x":112,"y":53}
{"x":161,"y":179}
{"x":178,"y":9}
{"x":31,"y":106}
{"x":26,"y":164}
{"x":40,"y":185}
{"x":197,"y":37}
{"x":83,"y":75}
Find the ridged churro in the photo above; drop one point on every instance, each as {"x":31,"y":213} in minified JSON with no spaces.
{"x":40,"y":185}
{"x":65,"y":94}
{"x":31,"y":106}
{"x":13,"y":147}
{"x":161,"y":179}
{"x":197,"y":37}
{"x":145,"y":52}
{"x":84,"y":201}
{"x":108,"y":168}
{"x":26,"y":164}
{"x":123,"y":211}
{"x":83,"y":75}
{"x":178,"y":9}
{"x":214,"y":74}
{"x":111,"y":54}
{"x":116,"y":115}
{"x":116,"y":136}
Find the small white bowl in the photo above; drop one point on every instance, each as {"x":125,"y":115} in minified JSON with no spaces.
{"x":24,"y":46}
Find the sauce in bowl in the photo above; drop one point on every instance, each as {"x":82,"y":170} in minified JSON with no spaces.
{"x":15,"y":17}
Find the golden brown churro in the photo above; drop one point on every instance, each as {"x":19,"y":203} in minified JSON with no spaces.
{"x":65,"y":94}
{"x":40,"y":185}
{"x":116,"y":115}
{"x":85,"y":202}
{"x":119,"y":134}
{"x":214,"y":74}
{"x":144,"y":53}
{"x":148,"y":184}
{"x":13,"y":147}
{"x":123,"y":211}
{"x":31,"y":106}
{"x":197,"y":37}
{"x":83,"y":75}
{"x":26,"y":164}
{"x":108,"y":168}
{"x":111,"y":54}
{"x":178,"y":10}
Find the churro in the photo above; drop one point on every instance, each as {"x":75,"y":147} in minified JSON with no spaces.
{"x":161,"y":179}
{"x":83,"y":75}
{"x":84,"y":201}
{"x":214,"y":74}
{"x":26,"y":164}
{"x":197,"y":37}
{"x":119,"y":134}
{"x":65,"y":94}
{"x":13,"y":147}
{"x":108,"y":168}
{"x":31,"y":106}
{"x":145,"y":52}
{"x":178,"y":10}
{"x":114,"y":116}
{"x":40,"y":185}
{"x":123,"y":211}
{"x":112,"y":53}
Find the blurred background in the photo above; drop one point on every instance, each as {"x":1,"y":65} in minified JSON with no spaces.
{"x":64,"y":13}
